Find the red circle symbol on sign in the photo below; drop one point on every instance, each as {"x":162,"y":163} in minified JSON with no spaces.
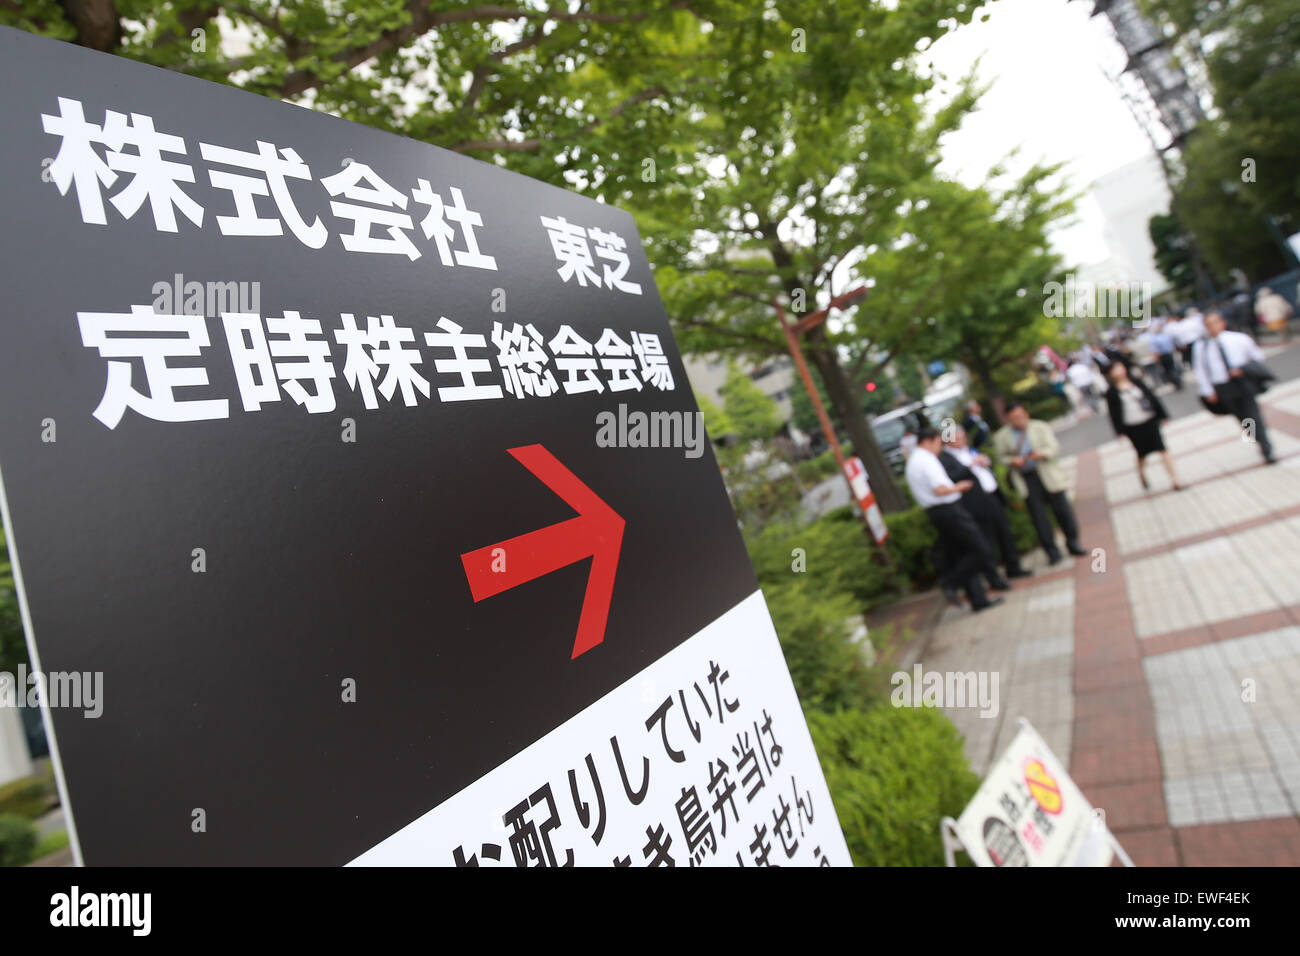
{"x":1043,"y":786}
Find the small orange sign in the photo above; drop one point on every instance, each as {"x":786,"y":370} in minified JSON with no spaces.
{"x":1043,"y":786}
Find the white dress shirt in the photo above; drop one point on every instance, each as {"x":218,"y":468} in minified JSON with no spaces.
{"x":1080,"y":375}
{"x":1208,"y":362}
{"x":1188,"y":330}
{"x":924,"y":473}
{"x":988,"y":481}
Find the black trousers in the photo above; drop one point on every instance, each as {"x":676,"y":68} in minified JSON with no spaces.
{"x":1169,"y":363}
{"x":1238,"y":397}
{"x":993,"y":523}
{"x":1039,"y":501}
{"x":967,"y":554}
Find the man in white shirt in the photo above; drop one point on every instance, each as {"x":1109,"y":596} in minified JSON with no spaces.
{"x":968,"y":555}
{"x":1082,"y":377}
{"x":1186,"y":331}
{"x":1217,"y":361}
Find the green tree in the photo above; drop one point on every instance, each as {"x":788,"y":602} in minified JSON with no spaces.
{"x":574,"y":94}
{"x":995,"y":242}
{"x":804,"y":415}
{"x":1227,"y":216}
{"x":813,"y":173}
{"x":716,"y":422}
{"x":1240,"y":178}
{"x":908,"y":376}
{"x":753,"y":416}
{"x":1173,"y":254}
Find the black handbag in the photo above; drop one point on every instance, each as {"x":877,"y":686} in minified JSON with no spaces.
{"x":1256,"y":374}
{"x":1214,"y":408}
{"x":1259,"y":375}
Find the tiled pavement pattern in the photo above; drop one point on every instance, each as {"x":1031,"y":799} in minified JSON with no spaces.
{"x":1031,"y":650}
{"x":1225,"y":757}
{"x":1166,"y":682}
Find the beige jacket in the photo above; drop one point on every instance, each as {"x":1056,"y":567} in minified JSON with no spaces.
{"x":1041,"y":439}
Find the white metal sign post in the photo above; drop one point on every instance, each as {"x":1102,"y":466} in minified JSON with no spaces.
{"x":1028,"y":812}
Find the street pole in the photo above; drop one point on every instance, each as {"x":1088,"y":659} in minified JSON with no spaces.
{"x":793,"y":330}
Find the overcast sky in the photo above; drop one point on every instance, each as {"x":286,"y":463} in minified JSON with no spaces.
{"x":1049,"y":97}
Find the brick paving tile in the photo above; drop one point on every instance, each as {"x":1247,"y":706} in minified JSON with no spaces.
{"x":1251,"y":843}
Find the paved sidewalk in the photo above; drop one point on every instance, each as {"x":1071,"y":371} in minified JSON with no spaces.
{"x":1163,"y":668}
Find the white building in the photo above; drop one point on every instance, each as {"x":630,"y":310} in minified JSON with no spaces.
{"x":777,"y":378}
{"x":1125,"y":199}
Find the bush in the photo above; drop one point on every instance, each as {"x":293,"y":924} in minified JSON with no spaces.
{"x":17,"y":840}
{"x":912,"y":539}
{"x":29,"y":797}
{"x":817,"y":469}
{"x":52,"y":842}
{"x":893,"y":774}
{"x":1022,"y":526}
{"x":828,"y":671}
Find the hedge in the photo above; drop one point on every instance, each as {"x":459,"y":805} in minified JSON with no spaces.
{"x":893,"y":774}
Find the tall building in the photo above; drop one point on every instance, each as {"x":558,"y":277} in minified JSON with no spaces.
{"x":1173,"y":101}
{"x":776,"y":378}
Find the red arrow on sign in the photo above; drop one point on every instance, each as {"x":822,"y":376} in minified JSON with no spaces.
{"x":596,"y":533}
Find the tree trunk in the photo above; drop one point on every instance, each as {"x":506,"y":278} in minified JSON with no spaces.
{"x":96,"y":23}
{"x":984,"y":372}
{"x":840,"y":391}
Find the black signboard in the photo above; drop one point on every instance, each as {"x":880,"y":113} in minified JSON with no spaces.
{"x":352,"y":466}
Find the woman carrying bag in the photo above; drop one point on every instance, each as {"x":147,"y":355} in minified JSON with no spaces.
{"x":1136,"y":413}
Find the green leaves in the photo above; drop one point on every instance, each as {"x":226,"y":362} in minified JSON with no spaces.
{"x":893,"y":773}
{"x":13,"y":647}
{"x":1248,"y":49}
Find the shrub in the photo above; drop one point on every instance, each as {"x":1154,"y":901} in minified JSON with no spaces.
{"x":17,"y":840}
{"x":839,"y":557}
{"x":912,"y":539}
{"x":1022,"y":526}
{"x":52,"y":842}
{"x":828,"y":671}
{"x":817,"y":469}
{"x":893,"y":774}
{"x":29,"y":797}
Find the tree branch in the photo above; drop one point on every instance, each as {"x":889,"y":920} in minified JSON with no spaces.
{"x":529,"y":145}
{"x":768,"y":345}
{"x":422,"y":20}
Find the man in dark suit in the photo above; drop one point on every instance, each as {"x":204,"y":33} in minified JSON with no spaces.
{"x":977,"y":429}
{"x":981,"y":504}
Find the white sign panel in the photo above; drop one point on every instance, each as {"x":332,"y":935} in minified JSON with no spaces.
{"x":1028,"y":812}
{"x":701,"y":759}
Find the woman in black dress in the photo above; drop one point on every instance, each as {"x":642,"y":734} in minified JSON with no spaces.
{"x":1136,"y":413}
